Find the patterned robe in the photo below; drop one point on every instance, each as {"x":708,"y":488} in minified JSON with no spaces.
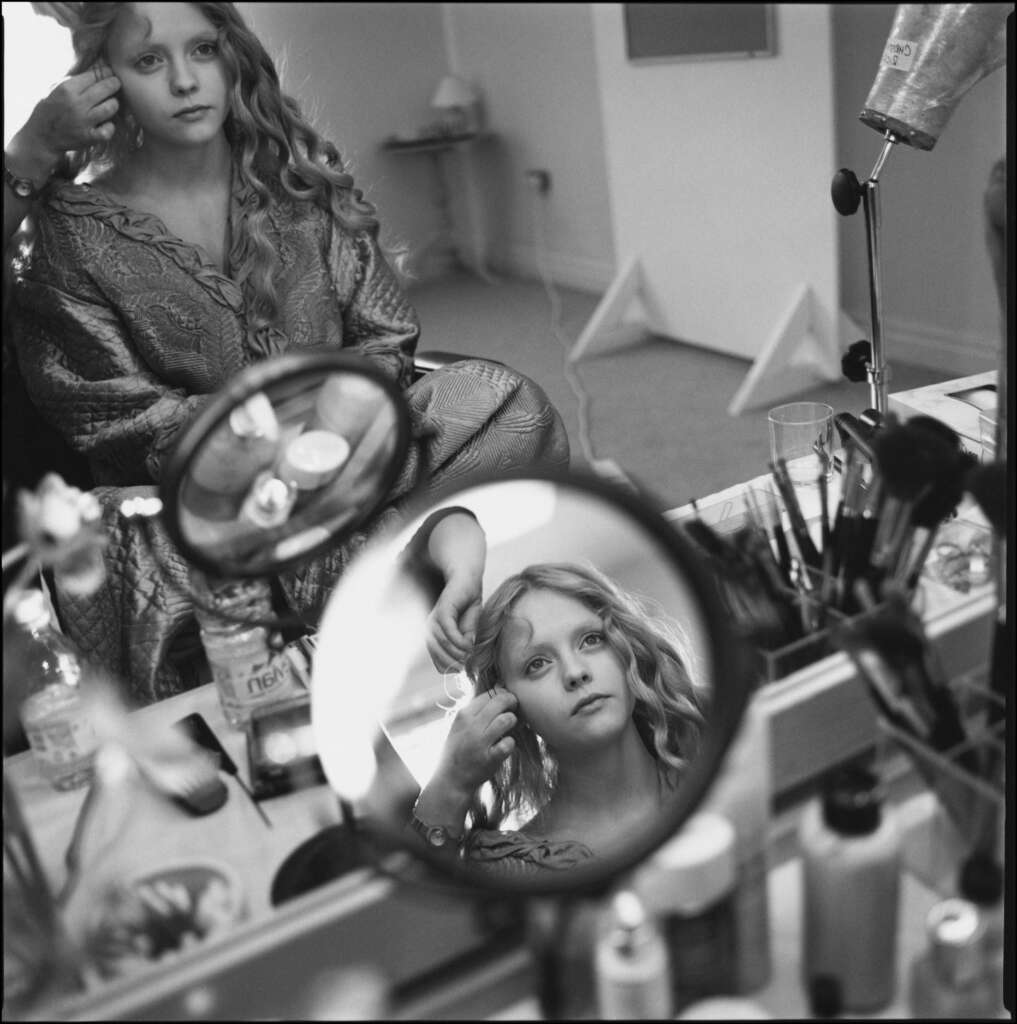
{"x":124,"y":331}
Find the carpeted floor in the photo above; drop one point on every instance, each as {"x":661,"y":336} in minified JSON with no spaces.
{"x":656,"y":407}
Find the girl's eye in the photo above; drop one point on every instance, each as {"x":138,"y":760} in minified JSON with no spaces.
{"x":207,"y":49}
{"x":146,"y":62}
{"x":593,"y":640}
{"x":534,"y":665}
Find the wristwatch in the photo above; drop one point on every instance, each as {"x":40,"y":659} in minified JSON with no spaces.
{"x":21,"y":187}
{"x":434,"y":835}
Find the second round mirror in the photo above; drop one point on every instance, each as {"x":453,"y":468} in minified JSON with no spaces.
{"x":530,"y":685}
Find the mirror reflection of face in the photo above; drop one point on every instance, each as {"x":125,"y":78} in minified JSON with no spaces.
{"x":571,"y":687}
{"x":173,"y":80}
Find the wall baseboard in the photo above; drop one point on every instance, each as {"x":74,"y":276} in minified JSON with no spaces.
{"x":952,"y":352}
{"x":585,"y":275}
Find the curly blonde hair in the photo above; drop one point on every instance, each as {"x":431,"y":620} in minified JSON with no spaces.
{"x":668,"y":712}
{"x":276,"y":151}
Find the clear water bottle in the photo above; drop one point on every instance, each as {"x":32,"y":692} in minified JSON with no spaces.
{"x":43,"y":665}
{"x":249,"y":668}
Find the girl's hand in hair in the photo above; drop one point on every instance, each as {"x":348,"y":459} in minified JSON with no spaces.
{"x":76,"y":114}
{"x":477,"y":743}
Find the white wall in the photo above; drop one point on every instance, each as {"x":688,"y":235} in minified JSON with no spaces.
{"x":940,"y":306}
{"x":534,"y":64}
{"x":718,"y":173}
{"x":364,"y":71}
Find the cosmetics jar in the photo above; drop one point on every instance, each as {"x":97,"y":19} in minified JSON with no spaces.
{"x":689,"y":884}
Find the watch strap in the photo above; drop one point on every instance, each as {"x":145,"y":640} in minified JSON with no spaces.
{"x":436,"y":836}
{"x":23,"y":188}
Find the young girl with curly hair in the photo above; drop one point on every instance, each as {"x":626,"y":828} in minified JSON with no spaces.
{"x":584,"y":719}
{"x":214,"y":227}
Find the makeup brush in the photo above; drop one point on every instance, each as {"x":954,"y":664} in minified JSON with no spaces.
{"x":906,"y":469}
{"x":799,"y":528}
{"x":986,"y":483}
{"x":853,"y":468}
{"x":764,"y":505}
{"x":895,"y":634}
{"x":929,"y":513}
{"x":858,"y":539}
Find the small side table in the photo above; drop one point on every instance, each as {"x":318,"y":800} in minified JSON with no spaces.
{"x":437,"y":147}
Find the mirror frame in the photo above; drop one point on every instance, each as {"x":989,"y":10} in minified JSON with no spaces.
{"x":248,"y":382}
{"x":731,"y":674}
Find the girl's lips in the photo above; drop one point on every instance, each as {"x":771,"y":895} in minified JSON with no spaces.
{"x":590,"y":703}
{"x":192,"y":113}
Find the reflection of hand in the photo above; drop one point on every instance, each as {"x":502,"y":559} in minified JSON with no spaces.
{"x":458,"y":547}
{"x":476,"y":745}
{"x":451,"y":624}
{"x":76,"y":114}
{"x":479,"y":739}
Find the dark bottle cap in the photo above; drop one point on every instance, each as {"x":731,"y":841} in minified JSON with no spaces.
{"x":981,"y":880}
{"x":852,"y":803}
{"x":824,"y":996}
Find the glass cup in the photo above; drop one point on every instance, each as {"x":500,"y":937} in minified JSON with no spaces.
{"x":987,"y":435}
{"x":801,"y":433}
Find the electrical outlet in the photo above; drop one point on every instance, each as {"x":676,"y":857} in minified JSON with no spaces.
{"x":539,"y":180}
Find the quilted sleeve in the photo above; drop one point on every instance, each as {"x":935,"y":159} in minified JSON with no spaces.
{"x":86,"y":378}
{"x":378,"y":319}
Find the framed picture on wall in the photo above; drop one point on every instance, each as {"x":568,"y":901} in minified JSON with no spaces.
{"x":673,"y":32}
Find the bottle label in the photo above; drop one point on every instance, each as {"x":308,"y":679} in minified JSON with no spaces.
{"x":61,"y":736}
{"x":249,"y":675}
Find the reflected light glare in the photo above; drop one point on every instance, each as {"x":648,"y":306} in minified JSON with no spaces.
{"x":505,"y":510}
{"x":365,"y":648}
{"x":37,"y":55}
{"x":531,"y":506}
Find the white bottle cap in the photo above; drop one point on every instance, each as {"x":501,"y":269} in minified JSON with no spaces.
{"x":694,"y":869}
{"x":313,"y":458}
{"x":956,"y":930}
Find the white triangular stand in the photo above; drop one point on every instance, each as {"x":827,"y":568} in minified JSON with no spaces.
{"x":616,"y":320}
{"x":800,"y":351}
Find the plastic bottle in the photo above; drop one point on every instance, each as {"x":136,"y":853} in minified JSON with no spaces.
{"x":248,"y":670}
{"x":631,"y":965}
{"x":725,"y":1008}
{"x":953,"y":979}
{"x":53,"y":713}
{"x":743,"y":794}
{"x":980,"y":881}
{"x":850,"y":845}
{"x":688,"y":884}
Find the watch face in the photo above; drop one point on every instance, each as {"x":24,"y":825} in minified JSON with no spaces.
{"x":21,"y":187}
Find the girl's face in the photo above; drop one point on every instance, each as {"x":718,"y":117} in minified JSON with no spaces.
{"x":173,"y":79}
{"x":570,"y":684}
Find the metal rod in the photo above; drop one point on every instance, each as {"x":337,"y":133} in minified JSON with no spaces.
{"x":877,"y":369}
{"x":877,"y":364}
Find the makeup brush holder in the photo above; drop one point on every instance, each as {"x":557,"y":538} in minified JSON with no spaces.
{"x":962,"y":556}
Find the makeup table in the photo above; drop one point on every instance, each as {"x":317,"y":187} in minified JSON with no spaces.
{"x":263,"y":966}
{"x":784,"y":996}
{"x":819,"y":716}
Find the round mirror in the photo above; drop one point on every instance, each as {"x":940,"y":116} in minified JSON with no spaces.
{"x":585,"y":717}
{"x":292,"y":455}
